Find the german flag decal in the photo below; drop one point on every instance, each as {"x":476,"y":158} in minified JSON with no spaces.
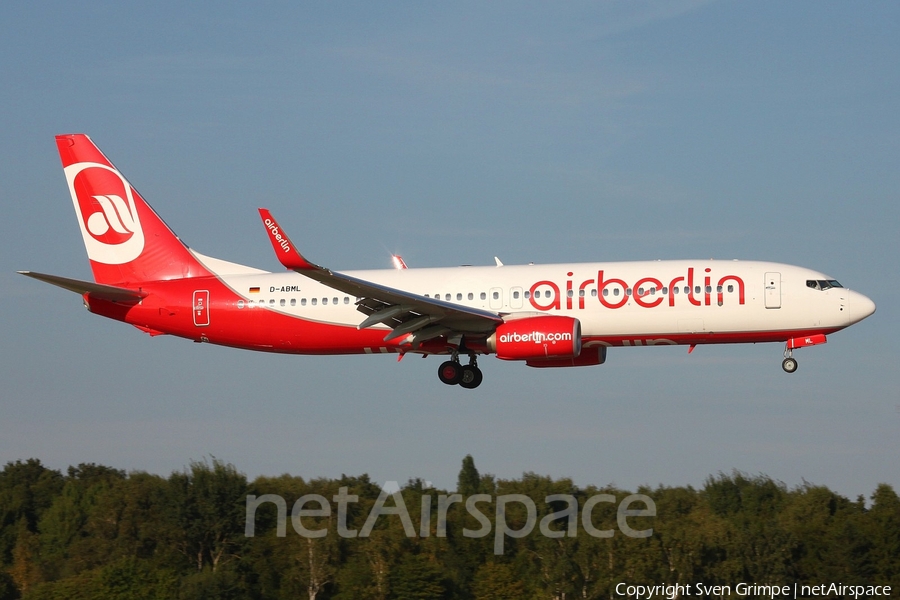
{"x":254,"y":290}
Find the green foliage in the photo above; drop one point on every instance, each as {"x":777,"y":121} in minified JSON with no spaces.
{"x":416,"y":578}
{"x":469,"y":481}
{"x":27,"y":489}
{"x":497,"y":581}
{"x":97,"y":532}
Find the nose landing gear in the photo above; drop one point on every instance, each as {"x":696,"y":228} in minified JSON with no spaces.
{"x":789,"y":364}
{"x":453,"y":373}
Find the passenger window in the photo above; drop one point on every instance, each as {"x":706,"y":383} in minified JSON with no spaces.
{"x":496,"y":295}
{"x":708,"y":289}
{"x":334,"y":301}
{"x":594,"y":292}
{"x":697,"y":289}
{"x":484,"y":296}
{"x":447,"y":297}
{"x":293,"y":302}
{"x":730,"y":288}
{"x":282,"y":302}
{"x":471,"y":296}
{"x":302,"y":301}
{"x":640,"y":291}
{"x":570,"y":293}
{"x":515,"y":295}
{"x":627,"y":291}
{"x":687,"y":290}
{"x":272,"y":302}
{"x":459,"y":296}
{"x":665,"y":291}
{"x":719,"y":289}
{"x":615,"y":292}
{"x":240,"y":304}
{"x":581,"y":293}
{"x":346,"y":299}
{"x":527,"y":294}
{"x":324,"y":301}
{"x":314,"y":301}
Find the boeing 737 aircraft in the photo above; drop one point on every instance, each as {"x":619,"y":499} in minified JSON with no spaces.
{"x":558,"y":315}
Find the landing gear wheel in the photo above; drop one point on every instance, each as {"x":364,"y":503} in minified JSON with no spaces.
{"x":789,"y":365}
{"x":471,"y":377}
{"x":450,"y":372}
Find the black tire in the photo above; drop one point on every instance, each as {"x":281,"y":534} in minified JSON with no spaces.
{"x":450,"y":372}
{"x":471,"y":377}
{"x":789,"y":365}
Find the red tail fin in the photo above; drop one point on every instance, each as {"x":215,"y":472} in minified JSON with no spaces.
{"x":126,"y":241}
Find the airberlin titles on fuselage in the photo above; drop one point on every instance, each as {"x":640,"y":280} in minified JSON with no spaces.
{"x":647,"y":292}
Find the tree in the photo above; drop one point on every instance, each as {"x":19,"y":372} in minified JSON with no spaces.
{"x":27,"y":489}
{"x":209,"y":503}
{"x":884,"y":525}
{"x":415,"y":578}
{"x":469,"y":481}
{"x":497,"y":581}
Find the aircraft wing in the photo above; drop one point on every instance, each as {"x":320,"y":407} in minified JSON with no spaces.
{"x":402,"y":311}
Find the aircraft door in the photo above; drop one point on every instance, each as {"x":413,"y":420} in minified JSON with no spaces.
{"x":773,"y":290}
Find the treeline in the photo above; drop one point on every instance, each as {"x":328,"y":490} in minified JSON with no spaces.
{"x":98,"y":532}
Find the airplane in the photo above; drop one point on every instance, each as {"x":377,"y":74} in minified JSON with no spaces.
{"x":554,"y":315}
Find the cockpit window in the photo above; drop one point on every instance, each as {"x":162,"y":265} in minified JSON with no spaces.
{"x":822,"y":284}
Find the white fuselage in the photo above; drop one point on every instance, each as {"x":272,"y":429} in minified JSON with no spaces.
{"x":683,"y":301}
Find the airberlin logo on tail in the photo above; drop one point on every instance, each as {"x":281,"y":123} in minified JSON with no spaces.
{"x":106,"y":210}
{"x":276,"y":235}
{"x":113,"y":221}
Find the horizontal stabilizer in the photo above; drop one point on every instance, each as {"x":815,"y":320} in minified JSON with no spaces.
{"x":97,"y":290}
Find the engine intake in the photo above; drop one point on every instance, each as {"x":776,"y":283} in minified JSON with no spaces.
{"x":537,"y":338}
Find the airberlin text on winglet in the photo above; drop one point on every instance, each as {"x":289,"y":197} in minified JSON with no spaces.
{"x":289,"y":257}
{"x":280,"y":239}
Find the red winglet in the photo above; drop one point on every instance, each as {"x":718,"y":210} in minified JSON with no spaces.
{"x":284,"y":248}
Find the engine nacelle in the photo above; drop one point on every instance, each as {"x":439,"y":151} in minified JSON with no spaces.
{"x":589,"y":357}
{"x":537,"y":338}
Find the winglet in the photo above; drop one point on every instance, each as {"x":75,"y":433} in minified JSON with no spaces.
{"x":284,"y":249}
{"x":398,"y":261}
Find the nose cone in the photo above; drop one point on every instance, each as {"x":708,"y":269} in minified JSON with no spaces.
{"x":859,"y":307}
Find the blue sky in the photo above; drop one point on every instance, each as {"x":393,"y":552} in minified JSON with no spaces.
{"x":451,"y":134}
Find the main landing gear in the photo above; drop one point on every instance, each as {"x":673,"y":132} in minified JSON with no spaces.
{"x":468,"y":376}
